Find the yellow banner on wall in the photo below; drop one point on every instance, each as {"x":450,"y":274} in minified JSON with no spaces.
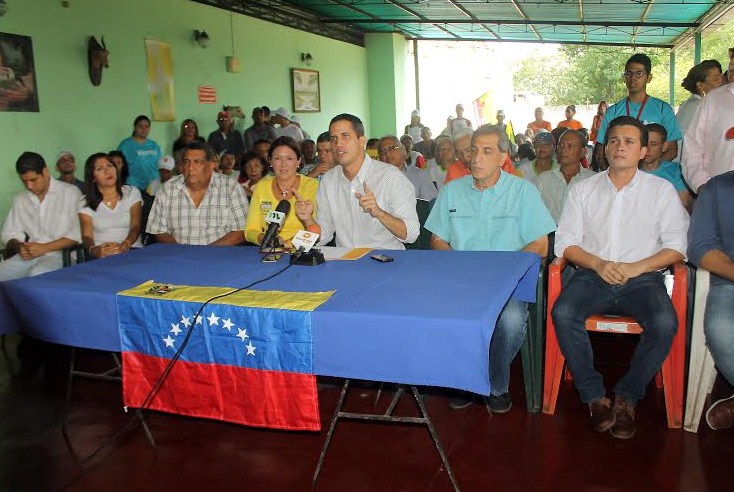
{"x":160,"y":80}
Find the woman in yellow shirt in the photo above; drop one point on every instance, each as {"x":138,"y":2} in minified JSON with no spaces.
{"x":285,"y":159}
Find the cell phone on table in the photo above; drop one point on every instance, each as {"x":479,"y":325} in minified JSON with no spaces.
{"x":382,"y":258}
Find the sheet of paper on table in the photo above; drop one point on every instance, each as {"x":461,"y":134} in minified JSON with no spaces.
{"x":334,"y":253}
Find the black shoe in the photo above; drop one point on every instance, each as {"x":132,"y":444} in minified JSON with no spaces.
{"x":624,"y":413}
{"x":461,"y":400}
{"x":499,"y":403}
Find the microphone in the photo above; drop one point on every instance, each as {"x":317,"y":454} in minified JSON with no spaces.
{"x":275,"y":221}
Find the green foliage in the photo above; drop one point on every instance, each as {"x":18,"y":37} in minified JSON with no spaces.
{"x":588,"y":74}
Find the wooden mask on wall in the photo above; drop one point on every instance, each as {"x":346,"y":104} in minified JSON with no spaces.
{"x":97,"y":55}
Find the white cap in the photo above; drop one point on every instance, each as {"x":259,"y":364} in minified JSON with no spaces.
{"x":415,"y":114}
{"x":295,"y":119}
{"x":64,"y":153}
{"x":281,"y":111}
{"x":166,"y":162}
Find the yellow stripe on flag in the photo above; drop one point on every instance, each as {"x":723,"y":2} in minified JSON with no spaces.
{"x":274,"y":299}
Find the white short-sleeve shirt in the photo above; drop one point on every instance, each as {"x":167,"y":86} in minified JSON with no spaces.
{"x":112,"y":225}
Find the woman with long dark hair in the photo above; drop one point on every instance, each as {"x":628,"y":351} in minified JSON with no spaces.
{"x":110,"y":213}
{"x":142,"y":154}
{"x":189,"y":133}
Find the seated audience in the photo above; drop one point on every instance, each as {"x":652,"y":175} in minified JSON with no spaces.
{"x":262,"y":148}
{"x":620,"y":228}
{"x":286,"y":129}
{"x":443,"y":159}
{"x":189,"y":133}
{"x":284,"y":184}
{"x":226,"y":165}
{"x":226,"y":137}
{"x":142,"y":154}
{"x":492,"y":210}
{"x":199,"y":206}
{"x":554,"y":184}
{"x":365,"y":202}
{"x":464,"y":155}
{"x":371,"y":147}
{"x":412,"y":158}
{"x":166,"y":165}
{"x":42,"y":221}
{"x":426,"y":144}
{"x":308,"y":156}
{"x":254,"y":168}
{"x":325,"y":156}
{"x":656,"y":145}
{"x":111,"y":212}
{"x":391,"y":151}
{"x":66,"y":166}
{"x":118,"y":159}
{"x":545,"y":158}
{"x":711,"y":246}
{"x":260,"y":130}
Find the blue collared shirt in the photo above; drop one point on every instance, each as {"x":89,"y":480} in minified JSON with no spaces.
{"x":506,"y":217}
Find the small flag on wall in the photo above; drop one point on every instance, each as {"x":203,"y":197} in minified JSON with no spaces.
{"x":207,"y":94}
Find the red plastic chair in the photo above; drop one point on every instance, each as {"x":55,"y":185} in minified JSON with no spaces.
{"x":673,"y":367}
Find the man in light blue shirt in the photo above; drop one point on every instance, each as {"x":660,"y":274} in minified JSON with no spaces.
{"x":492,"y":210}
{"x":641,"y":106}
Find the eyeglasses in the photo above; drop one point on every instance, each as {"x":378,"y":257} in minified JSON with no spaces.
{"x":385,"y":151}
{"x":637,"y":75}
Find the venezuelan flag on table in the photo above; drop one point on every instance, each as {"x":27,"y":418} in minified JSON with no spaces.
{"x":249,"y":359}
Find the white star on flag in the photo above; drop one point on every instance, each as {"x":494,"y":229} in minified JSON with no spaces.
{"x":175,"y":329}
{"x":227,"y":323}
{"x":242,"y":333}
{"x":199,"y":320}
{"x":169,"y":341}
{"x":213,"y":319}
{"x":250,"y":348}
{"x":185,"y":321}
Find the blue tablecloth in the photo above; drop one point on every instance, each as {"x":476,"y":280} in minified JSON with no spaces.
{"x":426,"y":318}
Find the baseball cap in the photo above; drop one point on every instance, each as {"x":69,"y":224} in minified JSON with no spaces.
{"x":415,"y":114}
{"x":543,"y":138}
{"x":64,"y":153}
{"x":166,"y":162}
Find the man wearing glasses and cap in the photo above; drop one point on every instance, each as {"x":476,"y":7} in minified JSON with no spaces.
{"x":226,"y":138}
{"x":640,"y":105}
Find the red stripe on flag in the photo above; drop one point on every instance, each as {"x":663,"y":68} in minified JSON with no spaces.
{"x":274,"y":399}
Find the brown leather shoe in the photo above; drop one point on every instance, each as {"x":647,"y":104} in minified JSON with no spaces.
{"x":602,"y":416}
{"x":624,"y":412}
{"x":720,"y":415}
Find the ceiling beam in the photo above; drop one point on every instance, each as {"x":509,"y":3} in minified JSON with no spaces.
{"x":473,"y":17}
{"x":422,"y":19}
{"x":589,"y":43}
{"x":525,"y":17}
{"x":364,"y":12}
{"x":329,"y":20}
{"x":581,"y":18}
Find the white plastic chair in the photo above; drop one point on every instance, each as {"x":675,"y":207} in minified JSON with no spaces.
{"x":701,"y":369}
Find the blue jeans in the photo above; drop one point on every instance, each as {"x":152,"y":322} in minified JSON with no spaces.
{"x":643,"y":298}
{"x":718,"y":326}
{"x":507,"y":339}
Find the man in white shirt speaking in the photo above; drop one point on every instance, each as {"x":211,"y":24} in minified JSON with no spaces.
{"x":620,"y":228}
{"x":365,"y":202}
{"x":42,"y":221}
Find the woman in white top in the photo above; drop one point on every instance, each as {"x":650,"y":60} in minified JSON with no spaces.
{"x":110,"y":213}
{"x":702,"y":78}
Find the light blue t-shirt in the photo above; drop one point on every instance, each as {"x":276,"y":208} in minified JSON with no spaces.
{"x":142,"y":161}
{"x":655,"y":111}
{"x":670,"y":171}
{"x":505,"y":217}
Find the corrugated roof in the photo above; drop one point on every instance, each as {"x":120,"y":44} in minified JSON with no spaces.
{"x":658,"y":23}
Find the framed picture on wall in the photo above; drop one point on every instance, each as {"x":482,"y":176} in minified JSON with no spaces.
{"x":18,"y":90}
{"x":306,"y":90}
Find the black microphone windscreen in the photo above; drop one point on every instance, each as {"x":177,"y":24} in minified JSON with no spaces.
{"x":284,"y":206}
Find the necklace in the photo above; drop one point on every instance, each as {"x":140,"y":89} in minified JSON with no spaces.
{"x":285,"y":192}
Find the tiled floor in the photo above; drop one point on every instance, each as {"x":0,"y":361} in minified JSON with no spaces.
{"x":513,"y":452}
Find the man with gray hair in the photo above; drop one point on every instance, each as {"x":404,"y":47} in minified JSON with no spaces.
{"x":462,"y":148}
{"x":391,"y":150}
{"x":492,"y":210}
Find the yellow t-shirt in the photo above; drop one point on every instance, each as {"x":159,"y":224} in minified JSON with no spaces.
{"x":263,"y":200}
